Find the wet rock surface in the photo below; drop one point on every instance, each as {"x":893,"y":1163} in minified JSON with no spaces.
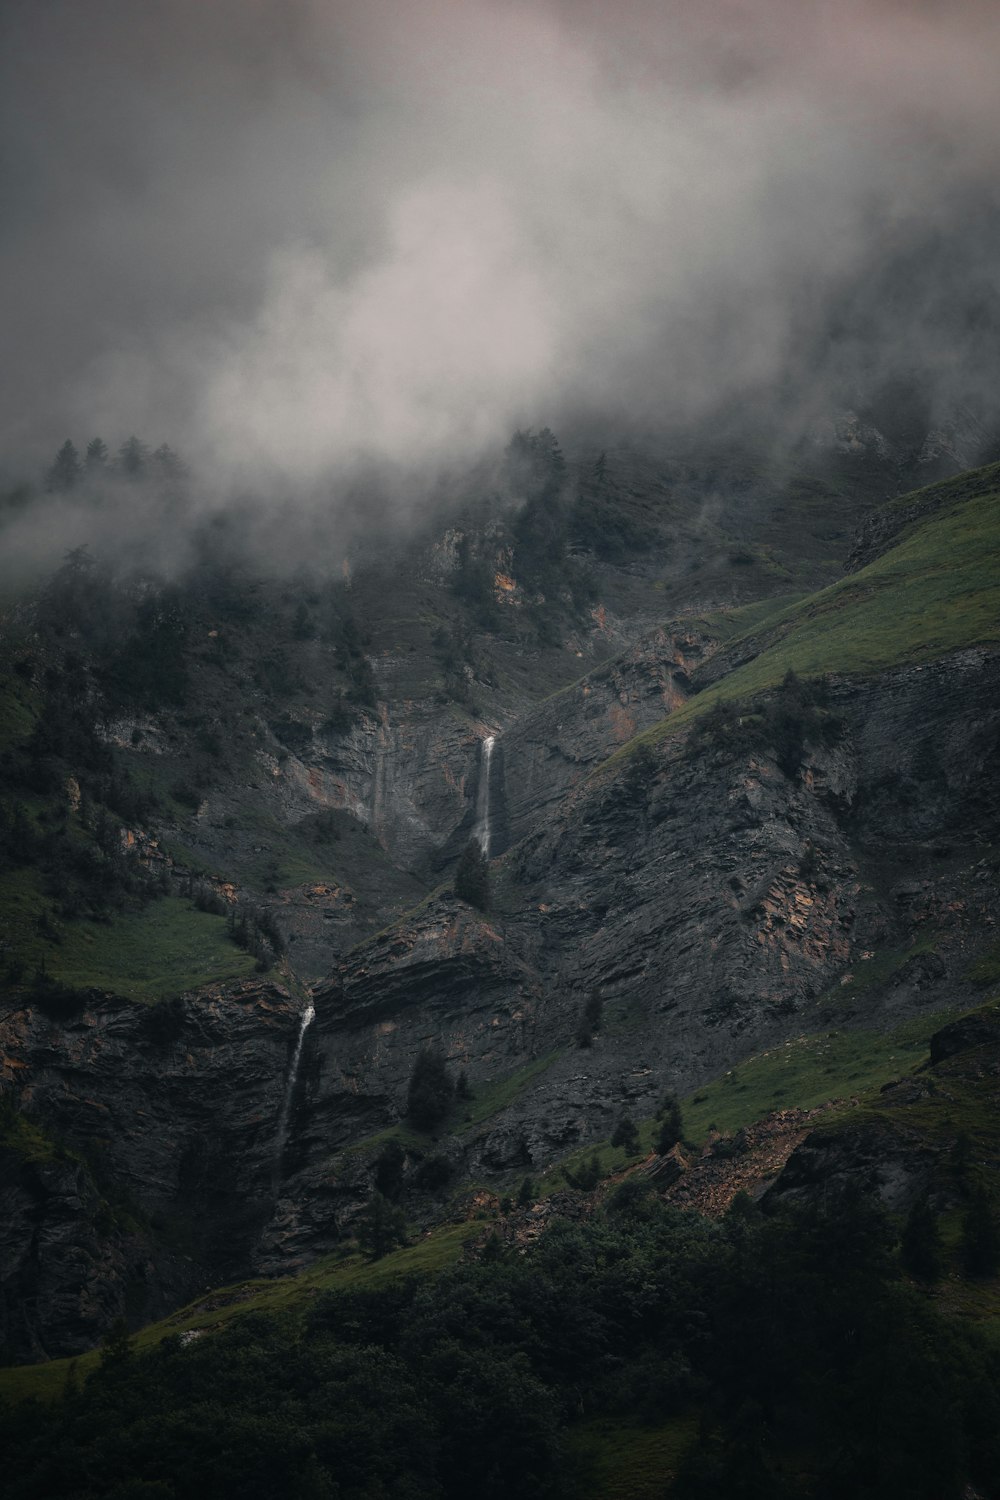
{"x":553,"y":748}
{"x":714,"y":903}
{"x":160,"y":1175}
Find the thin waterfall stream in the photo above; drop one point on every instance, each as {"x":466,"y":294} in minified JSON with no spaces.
{"x":285,"y":1118}
{"x":482,"y":828}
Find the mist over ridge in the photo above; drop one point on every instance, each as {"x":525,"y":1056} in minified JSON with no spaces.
{"x":301,"y":239}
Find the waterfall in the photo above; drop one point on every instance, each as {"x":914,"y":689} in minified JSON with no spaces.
{"x":482,"y":829}
{"x":285,"y":1118}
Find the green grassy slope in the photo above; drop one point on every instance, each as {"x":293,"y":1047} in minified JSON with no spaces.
{"x":162,"y":949}
{"x":935,"y":591}
{"x":432,"y":1252}
{"x":805,"y":1072}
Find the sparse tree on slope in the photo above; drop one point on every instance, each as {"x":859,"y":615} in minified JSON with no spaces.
{"x":431,"y":1091}
{"x":980,"y":1240}
{"x":626,"y":1135}
{"x":132,"y":456}
{"x":381,"y":1227}
{"x":671,"y":1125}
{"x":65,"y":472}
{"x":920,"y":1247}
{"x":96,"y":460}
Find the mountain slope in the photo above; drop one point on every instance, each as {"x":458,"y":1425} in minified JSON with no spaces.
{"x":719,"y":880}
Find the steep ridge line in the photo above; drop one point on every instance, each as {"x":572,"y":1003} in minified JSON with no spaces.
{"x":908,"y":605}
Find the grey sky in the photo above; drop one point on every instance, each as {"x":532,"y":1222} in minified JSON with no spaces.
{"x":286,"y":235}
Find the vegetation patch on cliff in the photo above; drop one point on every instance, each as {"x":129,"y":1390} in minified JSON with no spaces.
{"x":807,"y":1072}
{"x":490,"y":1097}
{"x":786,"y":1347}
{"x":24,"y":1138}
{"x":804,"y":1073}
{"x":936,"y":591}
{"x":165,"y":948}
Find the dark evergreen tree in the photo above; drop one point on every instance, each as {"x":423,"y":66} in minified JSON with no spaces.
{"x":625,"y":1134}
{"x":980,"y":1240}
{"x":166,"y":464}
{"x":431,"y":1091}
{"x":474,"y":582}
{"x":65,"y":472}
{"x":535,"y":462}
{"x":434,"y":1173}
{"x":920,"y":1247}
{"x":587,"y":1175}
{"x":961,"y":1154}
{"x":381,"y":1227}
{"x":18,"y":844}
{"x":671,"y":1125}
{"x":117,"y":1345}
{"x":96,"y":460}
{"x":132,"y":458}
{"x":389,"y":1169}
{"x":639,"y":773}
{"x":472,"y":877}
{"x":303,"y":624}
{"x":590,"y":1019}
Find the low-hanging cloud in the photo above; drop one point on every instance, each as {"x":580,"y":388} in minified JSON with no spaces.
{"x":296,"y":236}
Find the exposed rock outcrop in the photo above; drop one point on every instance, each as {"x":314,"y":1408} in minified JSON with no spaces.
{"x":879,"y":529}
{"x":164,"y":1178}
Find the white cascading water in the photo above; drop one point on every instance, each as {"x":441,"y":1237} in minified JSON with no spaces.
{"x":285,"y":1118}
{"x":482,"y":829}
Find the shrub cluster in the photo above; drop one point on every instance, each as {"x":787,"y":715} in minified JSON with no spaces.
{"x":783,"y":723}
{"x":431,"y":1090}
{"x":794,"y":1358}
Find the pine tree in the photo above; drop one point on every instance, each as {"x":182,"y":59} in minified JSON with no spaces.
{"x":71,"y":1384}
{"x":116,"y":1347}
{"x":381,"y":1227}
{"x":389,"y":1170}
{"x":587,"y":1175}
{"x":920,"y":1247}
{"x":96,"y":460}
{"x":431,"y":1091}
{"x":961,"y":1155}
{"x":167,"y":464}
{"x":303,"y":625}
{"x":980,"y":1240}
{"x":65,"y":472}
{"x":625,"y":1134}
{"x":671,"y":1125}
{"x":132,"y":456}
{"x":590,"y":1019}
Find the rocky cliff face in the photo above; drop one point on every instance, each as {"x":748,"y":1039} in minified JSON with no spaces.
{"x":161,"y":1167}
{"x":67,"y":1268}
{"x":714,"y":905}
{"x":553,"y":748}
{"x":881,"y":527}
{"x":904,"y":1146}
{"x":714,"y":900}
